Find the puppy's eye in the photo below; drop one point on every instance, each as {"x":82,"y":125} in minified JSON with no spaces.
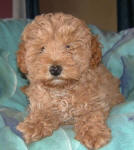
{"x":68,"y":46}
{"x":42,"y":49}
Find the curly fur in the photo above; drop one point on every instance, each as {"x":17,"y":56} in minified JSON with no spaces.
{"x":84,"y":92}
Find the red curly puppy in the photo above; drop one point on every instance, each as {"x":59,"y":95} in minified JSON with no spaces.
{"x":68,"y":84}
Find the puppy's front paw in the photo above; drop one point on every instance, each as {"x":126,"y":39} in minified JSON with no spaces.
{"x":26,"y":131}
{"x":94,"y":139}
{"x":33,"y":131}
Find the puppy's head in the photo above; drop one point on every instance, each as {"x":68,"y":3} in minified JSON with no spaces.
{"x":56,"y":49}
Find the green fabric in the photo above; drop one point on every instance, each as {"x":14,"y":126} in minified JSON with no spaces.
{"x":10,"y":31}
{"x":118,"y":57}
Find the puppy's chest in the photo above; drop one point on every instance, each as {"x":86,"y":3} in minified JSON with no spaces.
{"x":63,"y":104}
{"x":61,"y":99}
{"x":66,"y":105}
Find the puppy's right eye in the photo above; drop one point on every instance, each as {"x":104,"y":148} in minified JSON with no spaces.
{"x":42,"y":49}
{"x":68,"y":46}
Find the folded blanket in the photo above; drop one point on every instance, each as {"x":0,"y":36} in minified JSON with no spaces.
{"x":121,"y":122}
{"x":118,"y":57}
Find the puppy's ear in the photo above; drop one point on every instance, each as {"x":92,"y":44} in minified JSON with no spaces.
{"x":95,"y":52}
{"x":21,"y":57}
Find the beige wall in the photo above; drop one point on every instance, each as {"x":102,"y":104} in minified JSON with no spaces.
{"x":98,"y":12}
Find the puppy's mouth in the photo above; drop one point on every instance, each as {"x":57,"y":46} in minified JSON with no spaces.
{"x":59,"y":82}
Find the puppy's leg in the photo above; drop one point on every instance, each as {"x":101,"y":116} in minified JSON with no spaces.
{"x":37,"y":126}
{"x":92,"y":131}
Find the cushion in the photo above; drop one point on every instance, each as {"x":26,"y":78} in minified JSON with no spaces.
{"x":118,"y":57}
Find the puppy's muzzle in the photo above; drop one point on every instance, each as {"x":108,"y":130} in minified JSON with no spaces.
{"x":55,"y":70}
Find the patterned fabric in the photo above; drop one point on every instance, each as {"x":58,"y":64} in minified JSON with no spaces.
{"x":118,"y":57}
{"x":32,"y":8}
{"x":125,"y":13}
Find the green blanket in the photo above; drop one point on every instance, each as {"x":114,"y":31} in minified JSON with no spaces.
{"x":118,"y":57}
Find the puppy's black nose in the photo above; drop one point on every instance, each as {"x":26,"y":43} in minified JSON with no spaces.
{"x":55,"y":70}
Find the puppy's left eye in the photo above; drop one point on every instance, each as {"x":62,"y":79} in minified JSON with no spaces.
{"x":42,"y":49}
{"x":68,"y":46}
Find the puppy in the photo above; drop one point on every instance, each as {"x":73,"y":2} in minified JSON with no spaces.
{"x":68,"y":84}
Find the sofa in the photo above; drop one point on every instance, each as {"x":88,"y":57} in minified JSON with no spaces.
{"x":118,"y":57}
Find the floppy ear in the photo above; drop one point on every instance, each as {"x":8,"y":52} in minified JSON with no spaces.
{"x":95,"y":52}
{"x":21,"y":58}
